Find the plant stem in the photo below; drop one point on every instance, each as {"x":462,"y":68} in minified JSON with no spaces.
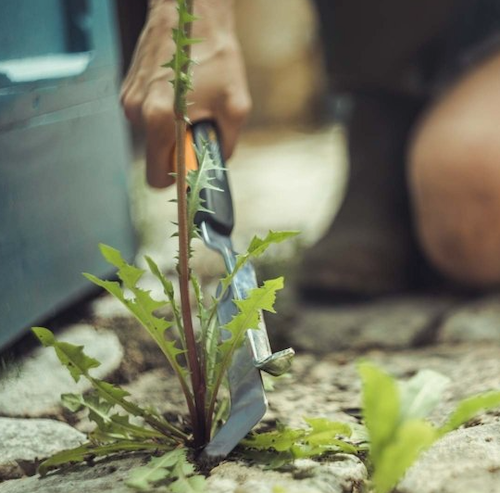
{"x":197,"y":377}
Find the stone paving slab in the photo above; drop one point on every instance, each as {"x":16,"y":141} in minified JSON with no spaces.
{"x":105,"y":476}
{"x":40,"y":379}
{"x":345,"y":474}
{"x":465,"y":461}
{"x":389,"y":323}
{"x":329,"y":386}
{"x":24,"y":442}
{"x":476,"y":321}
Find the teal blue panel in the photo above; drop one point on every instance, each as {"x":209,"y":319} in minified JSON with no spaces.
{"x":64,"y":159}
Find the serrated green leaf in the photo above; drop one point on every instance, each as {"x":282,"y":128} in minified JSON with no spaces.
{"x":70,"y":355}
{"x":143,"y":307}
{"x":421,"y":394}
{"x":187,"y":481}
{"x":114,"y":426}
{"x":381,"y":411}
{"x":173,"y":468}
{"x":249,"y":308}
{"x":112,"y":287}
{"x":193,"y":484}
{"x":470,"y":407}
{"x":323,"y":431}
{"x":88,"y":450}
{"x":129,"y":274}
{"x":198,"y":180}
{"x":113,"y":391}
{"x":281,"y":440}
{"x":158,"y":469}
{"x":259,"y":245}
{"x":248,"y":317}
{"x":321,"y":437}
{"x":412,"y":438}
{"x":45,"y":336}
{"x":256,"y":248}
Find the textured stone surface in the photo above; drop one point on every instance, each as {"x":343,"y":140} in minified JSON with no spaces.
{"x":464,"y":461}
{"x":346,"y":473}
{"x":105,"y":476}
{"x":40,"y":379}
{"x":23,"y":442}
{"x":473,"y":322}
{"x":343,"y":474}
{"x":392,"y":323}
{"x":324,"y":386}
{"x":159,"y":389}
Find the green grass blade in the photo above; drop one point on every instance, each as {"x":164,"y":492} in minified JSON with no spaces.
{"x":381,"y":411}
{"x":411,"y":439}
{"x":469,"y":408}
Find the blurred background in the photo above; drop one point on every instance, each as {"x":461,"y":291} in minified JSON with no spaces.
{"x":289,"y":167}
{"x":72,"y":171}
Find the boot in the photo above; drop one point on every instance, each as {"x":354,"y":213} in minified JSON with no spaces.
{"x":369,"y":250}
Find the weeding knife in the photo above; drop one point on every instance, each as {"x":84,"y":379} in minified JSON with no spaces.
{"x":248,"y":398}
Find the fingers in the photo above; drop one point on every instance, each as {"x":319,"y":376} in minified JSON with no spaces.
{"x":148,"y":98}
{"x":158,"y":120}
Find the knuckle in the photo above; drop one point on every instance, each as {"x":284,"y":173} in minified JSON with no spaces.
{"x":156,"y":112}
{"x":131,"y":106}
{"x":239,"y":110}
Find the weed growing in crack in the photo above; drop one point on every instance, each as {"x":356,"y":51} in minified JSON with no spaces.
{"x":394,"y":414}
{"x":200,"y":361}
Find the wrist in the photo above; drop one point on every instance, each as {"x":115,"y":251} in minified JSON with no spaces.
{"x":213,"y":15}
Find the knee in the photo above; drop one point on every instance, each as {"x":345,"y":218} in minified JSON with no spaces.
{"x":454,"y":177}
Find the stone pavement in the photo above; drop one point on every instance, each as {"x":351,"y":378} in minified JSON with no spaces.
{"x":449,"y":334}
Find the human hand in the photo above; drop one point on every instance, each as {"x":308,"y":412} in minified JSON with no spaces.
{"x":219,"y":81}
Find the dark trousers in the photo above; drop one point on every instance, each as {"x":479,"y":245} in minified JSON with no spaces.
{"x":405,"y":46}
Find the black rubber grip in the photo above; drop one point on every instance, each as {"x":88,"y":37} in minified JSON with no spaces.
{"x":220,"y":203}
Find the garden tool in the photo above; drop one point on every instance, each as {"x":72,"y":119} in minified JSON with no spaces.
{"x":248,"y":398}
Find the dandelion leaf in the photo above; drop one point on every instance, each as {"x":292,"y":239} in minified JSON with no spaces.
{"x":70,"y":355}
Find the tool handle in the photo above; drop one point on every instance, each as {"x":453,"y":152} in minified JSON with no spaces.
{"x":221,"y":217}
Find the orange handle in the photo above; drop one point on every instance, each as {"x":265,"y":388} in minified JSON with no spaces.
{"x":191,"y":159}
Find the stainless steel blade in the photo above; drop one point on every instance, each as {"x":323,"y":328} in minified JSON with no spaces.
{"x":248,"y":399}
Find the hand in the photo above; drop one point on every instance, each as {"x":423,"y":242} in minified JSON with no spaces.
{"x":220,"y":88}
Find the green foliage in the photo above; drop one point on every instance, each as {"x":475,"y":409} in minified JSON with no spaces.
{"x":89,"y":451}
{"x":143,"y":306}
{"x":248,"y":317}
{"x":394,"y":415}
{"x":172,"y":469}
{"x":71,"y":356}
{"x":110,"y":426}
{"x":122,"y":425}
{"x":283,"y":445}
{"x":181,"y":62}
{"x":198,"y":180}
{"x":469,"y":408}
{"x":258,"y":246}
